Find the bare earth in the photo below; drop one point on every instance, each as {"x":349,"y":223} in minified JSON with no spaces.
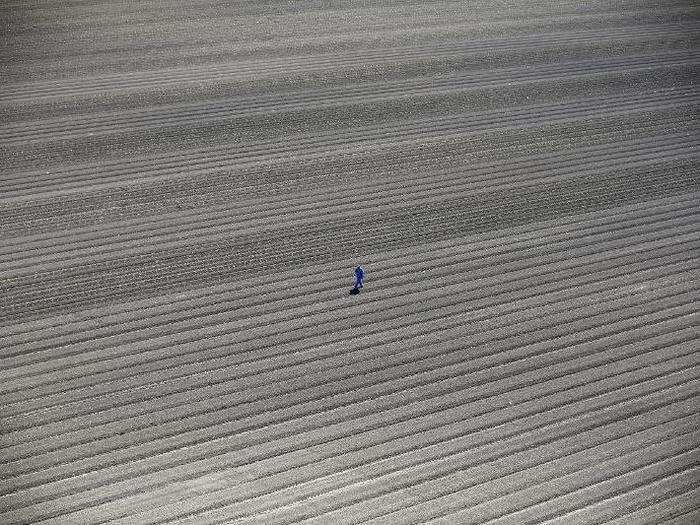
{"x":186,"y":187}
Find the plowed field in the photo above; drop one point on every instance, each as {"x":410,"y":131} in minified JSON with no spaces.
{"x":186,"y":188}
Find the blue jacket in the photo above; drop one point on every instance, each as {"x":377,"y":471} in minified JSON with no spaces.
{"x":359,"y":273}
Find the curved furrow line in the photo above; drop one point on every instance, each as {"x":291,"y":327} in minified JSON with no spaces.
{"x":103,"y":287}
{"x":189,"y":218}
{"x":251,"y":217}
{"x":37,"y":398}
{"x":218,"y":323}
{"x":309,"y":177}
{"x":329,"y":231}
{"x":278,"y":178}
{"x":678,"y":162}
{"x":356,"y":464}
{"x":597,"y":359}
{"x":390,"y":273}
{"x":676,"y":478}
{"x":314,"y":181}
{"x":109,"y":412}
{"x":376,"y":200}
{"x":70,"y":188}
{"x":197,"y":358}
{"x":374,"y":508}
{"x":216,"y":382}
{"x":251,"y":316}
{"x":439,"y":132}
{"x":303,"y":64}
{"x":373,"y":146}
{"x":164,"y":273}
{"x":40,"y":452}
{"x":112,"y":123}
{"x":450,"y":499}
{"x":332,"y":93}
{"x":89,"y":448}
{"x":208,"y":295}
{"x":644,"y":477}
{"x":445,"y":353}
{"x":306,"y":68}
{"x":478,"y":473}
{"x":105,"y":402}
{"x":644,"y":403}
{"x":194,"y":224}
{"x":443,"y":125}
{"x":287,"y":65}
{"x":607,"y":107}
{"x":200,"y":407}
{"x":480,"y":120}
{"x":92,"y":121}
{"x":676,"y":504}
{"x":250,"y":209}
{"x":507,"y":506}
{"x":306,"y":98}
{"x":533,"y":438}
{"x":527,"y":233}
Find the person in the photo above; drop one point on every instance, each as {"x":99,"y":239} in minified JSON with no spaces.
{"x":359,"y":277}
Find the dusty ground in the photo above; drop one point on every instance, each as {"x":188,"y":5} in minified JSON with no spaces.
{"x":185,"y":191}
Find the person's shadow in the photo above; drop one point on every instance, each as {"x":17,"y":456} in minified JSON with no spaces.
{"x":354,"y":291}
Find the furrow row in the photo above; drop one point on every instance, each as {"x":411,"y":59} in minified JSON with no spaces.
{"x":382,"y":329}
{"x":288,"y":65}
{"x":440,"y":351}
{"x":295,"y":214}
{"x":158,"y":340}
{"x":284,"y":208}
{"x":674,"y":507}
{"x":446,"y":374}
{"x":264,"y":288}
{"x":25,"y":222}
{"x":259,"y":299}
{"x":46,"y":385}
{"x":399,"y":371}
{"x":94,"y":484}
{"x":218,"y":495}
{"x":394,"y":133}
{"x":168,"y":269}
{"x":112,"y":123}
{"x":550,"y":496}
{"x":183,"y":203}
{"x":676,"y":163}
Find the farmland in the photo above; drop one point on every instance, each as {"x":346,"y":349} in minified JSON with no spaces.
{"x":186,"y":188}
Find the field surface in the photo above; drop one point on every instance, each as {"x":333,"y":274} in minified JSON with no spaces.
{"x":186,"y":187}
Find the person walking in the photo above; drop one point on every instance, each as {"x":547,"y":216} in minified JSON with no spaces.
{"x":359,"y":278}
